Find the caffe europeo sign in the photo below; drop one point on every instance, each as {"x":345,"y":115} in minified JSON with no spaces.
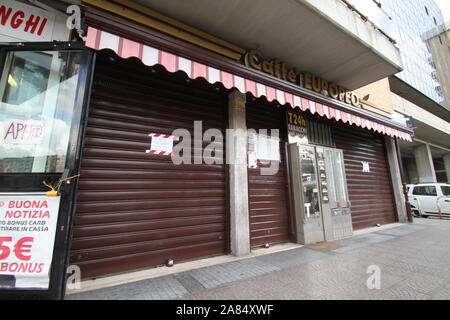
{"x":279,"y":69}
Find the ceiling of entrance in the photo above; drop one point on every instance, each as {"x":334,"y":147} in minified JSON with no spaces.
{"x":294,"y":32}
{"x":427,"y":134}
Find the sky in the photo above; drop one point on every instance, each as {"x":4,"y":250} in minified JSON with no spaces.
{"x":445,"y":8}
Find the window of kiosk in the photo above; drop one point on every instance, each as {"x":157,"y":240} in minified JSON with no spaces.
{"x":37,"y":97}
{"x":310,"y":182}
{"x":340,"y":177}
{"x":329,"y":158}
{"x":319,"y":134}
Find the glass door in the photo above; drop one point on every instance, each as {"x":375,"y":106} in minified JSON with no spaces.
{"x":335,"y":204}
{"x":320,"y":199}
{"x":330,"y":176}
{"x":37,"y":98}
{"x":44,"y":89}
{"x":306,"y":194}
{"x":310,"y":182}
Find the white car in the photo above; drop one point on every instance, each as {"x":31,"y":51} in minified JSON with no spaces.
{"x":430,"y":199}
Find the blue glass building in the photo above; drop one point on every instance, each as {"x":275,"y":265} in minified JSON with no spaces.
{"x":407,"y":22}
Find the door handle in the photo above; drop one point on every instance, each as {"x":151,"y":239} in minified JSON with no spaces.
{"x":447,"y":200}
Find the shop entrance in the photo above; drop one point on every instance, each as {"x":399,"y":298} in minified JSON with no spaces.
{"x":136,"y":209}
{"x":322,"y":209}
{"x":368,"y":176}
{"x":268,"y":194}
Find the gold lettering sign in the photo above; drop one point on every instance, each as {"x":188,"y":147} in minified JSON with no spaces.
{"x":296,"y":123}
{"x":279,"y":69}
{"x":311,"y":82}
{"x":274,"y":67}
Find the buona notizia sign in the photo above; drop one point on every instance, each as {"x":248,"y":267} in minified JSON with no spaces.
{"x":27,"y":236}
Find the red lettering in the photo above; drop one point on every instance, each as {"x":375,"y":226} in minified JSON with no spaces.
{"x":23,"y":131}
{"x":23,"y":267}
{"x":15,"y":265}
{"x":11,"y":204}
{"x":21,"y":248}
{"x":31,"y":269}
{"x":32,"y":23}
{"x":10,"y":131}
{"x":27,"y":214}
{"x":39,"y":270}
{"x":4,"y":14}
{"x":35,"y":132}
{"x":17,"y":19}
{"x":41,"y":28}
{"x":3,"y":267}
{"x":4,"y":249}
{"x":21,"y":128}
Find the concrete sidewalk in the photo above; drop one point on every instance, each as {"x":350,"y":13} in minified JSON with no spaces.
{"x":414,"y":261}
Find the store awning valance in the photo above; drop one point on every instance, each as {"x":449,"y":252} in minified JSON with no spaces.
{"x":125,"y":48}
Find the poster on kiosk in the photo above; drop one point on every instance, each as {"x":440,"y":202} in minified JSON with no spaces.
{"x":27,"y":220}
{"x":27,"y":236}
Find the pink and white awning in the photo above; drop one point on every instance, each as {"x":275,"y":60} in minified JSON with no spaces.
{"x":125,"y":48}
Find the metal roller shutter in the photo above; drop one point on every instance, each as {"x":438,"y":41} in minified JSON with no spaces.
{"x":370,"y":193}
{"x":136,"y":210}
{"x":268,"y":195}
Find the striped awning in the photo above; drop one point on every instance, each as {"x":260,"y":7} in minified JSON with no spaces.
{"x":125,"y":48}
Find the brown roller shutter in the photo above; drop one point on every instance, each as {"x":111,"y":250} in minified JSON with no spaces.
{"x":136,"y":210}
{"x":370,"y":193}
{"x":268,"y":195}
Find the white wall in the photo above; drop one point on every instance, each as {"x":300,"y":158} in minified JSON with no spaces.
{"x":345,"y":19}
{"x":410,"y":109}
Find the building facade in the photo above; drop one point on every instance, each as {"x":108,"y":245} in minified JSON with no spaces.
{"x":407,"y":24}
{"x":438,"y":42}
{"x":413,"y":19}
{"x":426,"y":72}
{"x":418,"y":95}
{"x":174,"y":145}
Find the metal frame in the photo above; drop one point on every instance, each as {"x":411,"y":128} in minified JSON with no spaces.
{"x":58,"y":276}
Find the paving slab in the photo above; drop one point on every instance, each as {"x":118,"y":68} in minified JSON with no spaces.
{"x":294,"y":257}
{"x":413,"y":261}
